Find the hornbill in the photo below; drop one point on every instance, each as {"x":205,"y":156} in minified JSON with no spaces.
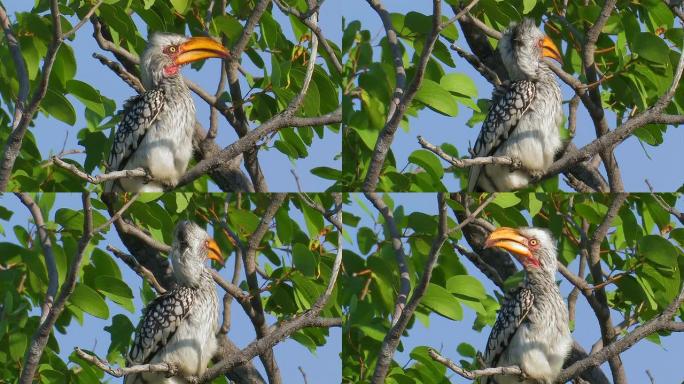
{"x":180,"y":326}
{"x":157,"y":126}
{"x":532,"y":327}
{"x":525,"y":114}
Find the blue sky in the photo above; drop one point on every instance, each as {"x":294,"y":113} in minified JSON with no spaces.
{"x":53,"y":135}
{"x":290,"y":355}
{"x":437,"y":129}
{"x":445,"y":334}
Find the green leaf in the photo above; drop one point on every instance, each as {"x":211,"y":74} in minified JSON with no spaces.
{"x":87,"y":95}
{"x":17,"y":345}
{"x":89,"y":301}
{"x":109,"y":285}
{"x":120,"y":331}
{"x":283,"y":226}
{"x":366,"y":239}
{"x":650,"y":47}
{"x":428,"y":161}
{"x":437,"y":98}
{"x":442,"y":302}
{"x":658,"y":250}
{"x":304,"y":260}
{"x":506,"y":200}
{"x":459,"y":83}
{"x":327,"y":173}
{"x":57,"y":106}
{"x":180,"y":5}
{"x":528,"y":6}
{"x":465,"y":285}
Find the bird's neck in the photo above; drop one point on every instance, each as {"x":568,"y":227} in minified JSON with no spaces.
{"x":171,"y":85}
{"x":541,"y":279}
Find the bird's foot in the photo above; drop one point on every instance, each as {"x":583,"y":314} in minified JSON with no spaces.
{"x":173,"y":369}
{"x":516,"y":164}
{"x":536,"y":175}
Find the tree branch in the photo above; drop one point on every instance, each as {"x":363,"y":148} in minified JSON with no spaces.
{"x":464,"y":163}
{"x":472,"y":375}
{"x":386,"y":136}
{"x":46,"y":244}
{"x":42,"y":334}
{"x":24,"y":116}
{"x":169,"y":368}
{"x":662,"y":322}
{"x":101,"y":178}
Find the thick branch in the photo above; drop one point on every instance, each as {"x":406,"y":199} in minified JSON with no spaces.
{"x":662,"y":322}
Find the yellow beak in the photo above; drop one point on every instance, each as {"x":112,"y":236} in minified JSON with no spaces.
{"x":200,"y":48}
{"x":550,"y":50}
{"x":213,"y":251}
{"x":510,"y":240}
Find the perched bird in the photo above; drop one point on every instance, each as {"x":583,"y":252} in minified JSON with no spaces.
{"x":524,"y":118}
{"x":532,"y":327}
{"x":156,"y":127}
{"x":180,"y":326}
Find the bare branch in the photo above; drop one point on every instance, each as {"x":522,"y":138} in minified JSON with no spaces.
{"x":463,"y":163}
{"x":662,"y":322}
{"x":114,"y":175}
{"x":472,"y":375}
{"x":169,"y":368}
{"x":137,"y":268}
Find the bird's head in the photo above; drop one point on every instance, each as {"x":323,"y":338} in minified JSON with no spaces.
{"x":191,"y":246}
{"x":166,"y":53}
{"x":535,"y":248}
{"x":523,"y":47}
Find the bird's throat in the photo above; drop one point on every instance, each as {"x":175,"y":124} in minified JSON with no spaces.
{"x":171,"y":70}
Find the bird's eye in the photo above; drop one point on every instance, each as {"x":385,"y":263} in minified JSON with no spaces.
{"x":172,"y":49}
{"x":534,"y":242}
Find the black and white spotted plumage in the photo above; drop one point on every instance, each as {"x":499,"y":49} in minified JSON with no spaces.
{"x":138,"y":115}
{"x":180,"y":326}
{"x":502,"y":118}
{"x":161,"y":319}
{"x":157,"y":127}
{"x":532,"y":327}
{"x":525,"y":114}
{"x":513,"y":312}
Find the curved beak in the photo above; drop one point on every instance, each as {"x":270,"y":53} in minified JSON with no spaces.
{"x":512,"y":241}
{"x":200,"y":48}
{"x":550,"y":50}
{"x":213,"y":251}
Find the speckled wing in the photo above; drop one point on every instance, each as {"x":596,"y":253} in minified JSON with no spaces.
{"x":139,"y":112}
{"x":503,"y":116}
{"x":515,"y":308}
{"x":162,"y":318}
